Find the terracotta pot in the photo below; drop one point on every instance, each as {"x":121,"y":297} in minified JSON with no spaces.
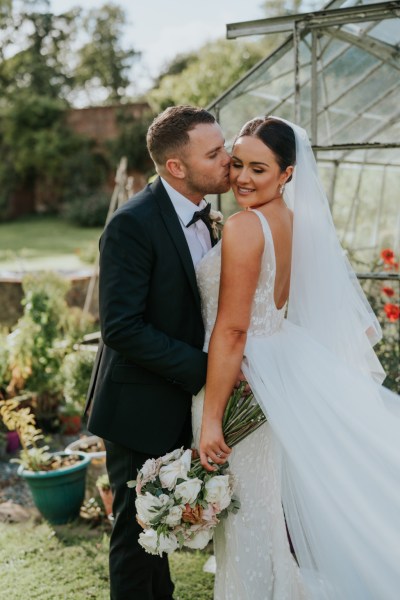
{"x":70,"y":424}
{"x":107,"y":498}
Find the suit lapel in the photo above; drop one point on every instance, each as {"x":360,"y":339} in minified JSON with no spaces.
{"x":174,"y":229}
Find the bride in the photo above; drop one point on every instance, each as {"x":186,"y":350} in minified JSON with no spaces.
{"x":281,"y":303}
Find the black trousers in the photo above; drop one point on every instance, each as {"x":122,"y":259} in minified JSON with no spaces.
{"x":134,"y":574}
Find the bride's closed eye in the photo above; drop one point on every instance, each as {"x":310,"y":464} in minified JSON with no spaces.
{"x":256,"y":170}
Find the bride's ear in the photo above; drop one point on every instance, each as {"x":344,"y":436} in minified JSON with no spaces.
{"x":175,"y":167}
{"x":287,"y":175}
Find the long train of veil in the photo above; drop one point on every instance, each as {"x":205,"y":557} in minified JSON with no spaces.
{"x":340,"y":443}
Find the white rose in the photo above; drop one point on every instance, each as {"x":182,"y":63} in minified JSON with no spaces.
{"x":218,"y":491}
{"x":174,"y":516}
{"x":147,"y":506}
{"x":167,"y":458}
{"x":148,"y":539}
{"x":154,"y":544}
{"x":167,"y":543}
{"x":186,"y":459}
{"x":177,"y":469}
{"x":199,"y":540}
{"x":216,"y":215}
{"x":188,"y":490}
{"x":150,"y":469}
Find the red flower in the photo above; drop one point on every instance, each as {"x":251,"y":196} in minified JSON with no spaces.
{"x":388,"y":256}
{"x":392,"y":312}
{"x":388,"y":291}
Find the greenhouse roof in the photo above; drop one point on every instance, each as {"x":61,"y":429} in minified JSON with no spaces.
{"x":337,"y":74}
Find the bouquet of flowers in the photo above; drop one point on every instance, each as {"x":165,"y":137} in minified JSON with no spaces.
{"x":178,"y":502}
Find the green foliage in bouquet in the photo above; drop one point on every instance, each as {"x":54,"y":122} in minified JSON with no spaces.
{"x":179,"y":502}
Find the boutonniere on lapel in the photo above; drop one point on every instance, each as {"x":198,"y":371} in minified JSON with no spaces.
{"x":212,"y":220}
{"x":217,"y":223}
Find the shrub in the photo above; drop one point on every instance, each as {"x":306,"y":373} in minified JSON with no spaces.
{"x":41,"y":339}
{"x":89,"y":211}
{"x":76,"y":371}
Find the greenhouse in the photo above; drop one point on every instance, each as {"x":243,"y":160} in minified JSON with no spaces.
{"x":337,"y":74}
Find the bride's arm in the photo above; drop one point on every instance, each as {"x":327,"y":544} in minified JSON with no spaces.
{"x":242,"y":248}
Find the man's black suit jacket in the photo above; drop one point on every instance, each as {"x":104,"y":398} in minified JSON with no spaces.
{"x":150,"y":361}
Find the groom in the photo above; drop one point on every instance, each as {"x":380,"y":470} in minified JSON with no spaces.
{"x":150,"y":361}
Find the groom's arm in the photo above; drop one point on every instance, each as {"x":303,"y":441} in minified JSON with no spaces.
{"x":126,"y":261}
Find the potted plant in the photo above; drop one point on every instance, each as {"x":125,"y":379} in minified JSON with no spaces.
{"x":104,"y":488}
{"x":76,"y":371}
{"x":93,"y":447}
{"x":34,"y":351}
{"x":70,"y":417}
{"x":56,"y":479}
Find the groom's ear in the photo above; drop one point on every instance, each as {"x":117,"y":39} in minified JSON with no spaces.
{"x":175,"y":167}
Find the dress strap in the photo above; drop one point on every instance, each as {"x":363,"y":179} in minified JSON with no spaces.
{"x":267,"y":232}
{"x":264,"y":221}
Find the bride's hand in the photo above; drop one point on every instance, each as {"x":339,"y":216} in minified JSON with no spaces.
{"x":212,"y":445}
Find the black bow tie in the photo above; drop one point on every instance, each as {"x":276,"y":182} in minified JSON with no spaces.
{"x":203,"y":214}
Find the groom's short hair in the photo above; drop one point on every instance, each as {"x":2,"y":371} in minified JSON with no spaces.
{"x":169,"y":132}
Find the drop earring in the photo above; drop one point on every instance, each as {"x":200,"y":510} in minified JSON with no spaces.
{"x":282,"y":189}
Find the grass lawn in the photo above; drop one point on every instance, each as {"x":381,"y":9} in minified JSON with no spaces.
{"x":69,"y":562}
{"x":44,"y":243}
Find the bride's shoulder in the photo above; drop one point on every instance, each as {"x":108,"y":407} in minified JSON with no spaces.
{"x":244,"y":226}
{"x":244,"y":220}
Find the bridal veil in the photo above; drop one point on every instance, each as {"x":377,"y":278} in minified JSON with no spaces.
{"x":318,"y":380}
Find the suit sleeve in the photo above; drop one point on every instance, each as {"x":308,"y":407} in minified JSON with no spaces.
{"x":126,"y":258}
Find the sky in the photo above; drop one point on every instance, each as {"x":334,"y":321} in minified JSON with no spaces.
{"x":161,"y":29}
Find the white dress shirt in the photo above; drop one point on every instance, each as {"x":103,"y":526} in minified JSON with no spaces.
{"x":197,"y":235}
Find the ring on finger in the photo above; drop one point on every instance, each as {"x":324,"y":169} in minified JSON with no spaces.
{"x":218,"y":454}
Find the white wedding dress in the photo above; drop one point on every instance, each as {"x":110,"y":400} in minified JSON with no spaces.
{"x":330,"y":453}
{"x":253,"y":557}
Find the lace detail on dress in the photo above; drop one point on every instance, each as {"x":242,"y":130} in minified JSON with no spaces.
{"x":265,"y":317}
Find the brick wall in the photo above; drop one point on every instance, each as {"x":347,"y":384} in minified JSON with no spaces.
{"x":100,"y":122}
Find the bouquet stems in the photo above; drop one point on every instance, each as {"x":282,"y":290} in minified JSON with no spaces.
{"x":242,"y":416}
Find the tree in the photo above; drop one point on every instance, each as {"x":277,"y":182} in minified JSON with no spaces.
{"x":39,"y":65}
{"x":206,"y":73}
{"x":131,"y":142}
{"x":42,"y":155}
{"x":103,"y":62}
{"x":40,"y":69}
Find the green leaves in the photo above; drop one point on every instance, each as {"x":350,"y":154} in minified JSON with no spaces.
{"x":206,"y":74}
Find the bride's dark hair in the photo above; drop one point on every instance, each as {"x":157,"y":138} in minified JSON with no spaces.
{"x":277,"y":135}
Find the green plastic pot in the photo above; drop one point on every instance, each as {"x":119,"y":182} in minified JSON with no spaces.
{"x":58,"y":495}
